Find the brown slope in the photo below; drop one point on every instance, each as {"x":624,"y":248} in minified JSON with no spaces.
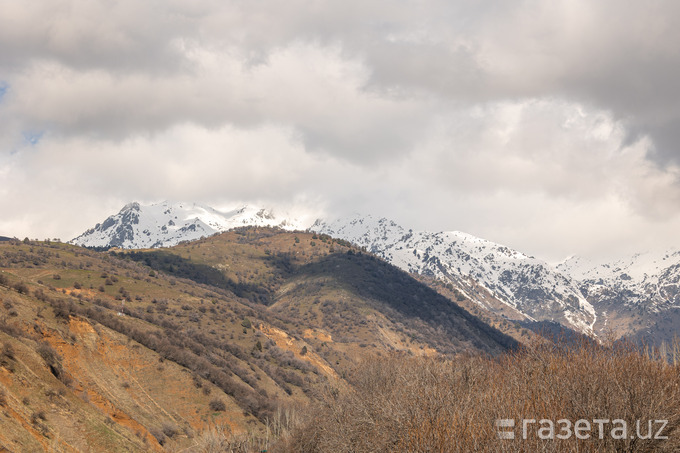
{"x":121,"y":394}
{"x":314,"y":283}
{"x":140,"y":354}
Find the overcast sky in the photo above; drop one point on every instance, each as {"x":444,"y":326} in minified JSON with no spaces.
{"x":549,"y":126}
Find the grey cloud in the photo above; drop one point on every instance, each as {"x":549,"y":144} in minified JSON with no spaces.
{"x":514,"y":120}
{"x":613,"y":56}
{"x":120,"y":36}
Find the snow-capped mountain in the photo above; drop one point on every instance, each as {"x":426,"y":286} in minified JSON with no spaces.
{"x":527,"y":284}
{"x":644,"y":279}
{"x":641,"y":290}
{"x":628,"y":296}
{"x":530,"y":287}
{"x":167,"y":224}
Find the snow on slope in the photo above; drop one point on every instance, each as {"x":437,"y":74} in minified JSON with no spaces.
{"x":523,"y":282}
{"x":167,"y":224}
{"x":648,"y":280}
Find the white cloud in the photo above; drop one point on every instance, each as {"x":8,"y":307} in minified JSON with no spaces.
{"x":549,"y":126}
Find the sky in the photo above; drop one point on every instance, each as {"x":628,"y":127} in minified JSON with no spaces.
{"x":550,"y":126}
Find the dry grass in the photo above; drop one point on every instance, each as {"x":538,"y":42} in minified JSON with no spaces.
{"x":424,"y":404}
{"x":221,"y":439}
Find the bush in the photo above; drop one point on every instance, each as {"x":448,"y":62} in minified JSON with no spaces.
{"x":158,"y":434}
{"x":53,"y":361}
{"x":48,"y":353}
{"x":217,"y":405}
{"x":169,"y":429}
{"x":426,"y":404}
{"x":37,"y":416}
{"x":8,"y":351}
{"x":21,"y":288}
{"x":63,"y":309}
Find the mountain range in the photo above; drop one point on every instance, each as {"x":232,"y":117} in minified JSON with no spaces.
{"x":637,"y":296}
{"x":221,"y":339}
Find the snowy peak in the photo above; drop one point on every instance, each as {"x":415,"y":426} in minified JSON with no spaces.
{"x":365,"y":231}
{"x":167,"y":224}
{"x":635,"y":267}
{"x":520,"y":281}
{"x":649,"y":281}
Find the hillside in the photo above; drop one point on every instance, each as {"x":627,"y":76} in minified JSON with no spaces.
{"x":139,"y":351}
{"x":522,"y":283}
{"x":511,"y":283}
{"x":307,"y":280}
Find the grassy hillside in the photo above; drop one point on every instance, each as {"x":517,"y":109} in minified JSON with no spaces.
{"x":87,"y":370}
{"x":304,"y":282}
{"x":140,"y":351}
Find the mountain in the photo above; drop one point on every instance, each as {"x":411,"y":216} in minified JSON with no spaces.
{"x":524,"y":283}
{"x":139,"y":350}
{"x":167,"y":224}
{"x":497,"y":278}
{"x":637,"y":295}
{"x":634,"y":296}
{"x":647,"y":279}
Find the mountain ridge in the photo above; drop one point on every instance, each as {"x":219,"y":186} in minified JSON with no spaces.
{"x":166,"y":224}
{"x":589,"y":297}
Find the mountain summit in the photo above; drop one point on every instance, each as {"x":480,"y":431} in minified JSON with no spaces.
{"x":167,"y":224}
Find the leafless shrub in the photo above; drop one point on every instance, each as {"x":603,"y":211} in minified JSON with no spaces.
{"x":37,"y":416}
{"x":8,"y":351}
{"x":217,"y":405}
{"x":158,"y":434}
{"x":21,"y":288}
{"x":53,"y":361}
{"x":220,"y":439}
{"x":426,"y":404}
{"x":169,"y":429}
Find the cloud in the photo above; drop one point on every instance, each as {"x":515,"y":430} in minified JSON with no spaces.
{"x":549,"y":126}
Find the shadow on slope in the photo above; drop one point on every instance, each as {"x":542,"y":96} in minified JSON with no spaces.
{"x":393,"y":292}
{"x":180,"y":267}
